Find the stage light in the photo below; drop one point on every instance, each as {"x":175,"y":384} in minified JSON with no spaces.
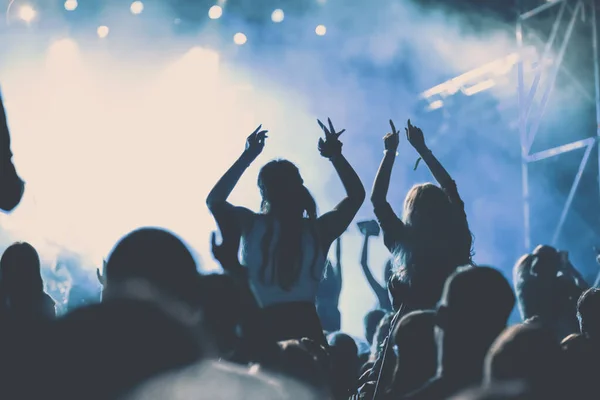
{"x":103,"y":31}
{"x":215,"y":12}
{"x":137,"y":7}
{"x":27,"y":13}
{"x":71,"y":5}
{"x":277,"y":16}
{"x":240,"y":39}
{"x":321,"y":30}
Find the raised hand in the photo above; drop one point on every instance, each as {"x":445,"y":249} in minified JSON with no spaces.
{"x":391,"y":140}
{"x":415,"y":137}
{"x":256,"y":142}
{"x":331,"y":146}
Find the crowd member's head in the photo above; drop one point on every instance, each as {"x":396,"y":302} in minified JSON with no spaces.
{"x":381,"y":333}
{"x":527,"y":353}
{"x":417,"y":353}
{"x":475,"y":307}
{"x":588,"y":312}
{"x":344,"y":361}
{"x":545,"y":291}
{"x":371,"y":321}
{"x":581,"y":357}
{"x":21,"y":285}
{"x":107,"y":349}
{"x":157,"y":257}
{"x":299,"y":359}
{"x":285,"y":197}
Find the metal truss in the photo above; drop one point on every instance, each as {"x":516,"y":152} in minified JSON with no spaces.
{"x":570,"y":13}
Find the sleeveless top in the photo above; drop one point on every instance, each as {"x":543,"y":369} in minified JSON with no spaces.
{"x":269,"y":293}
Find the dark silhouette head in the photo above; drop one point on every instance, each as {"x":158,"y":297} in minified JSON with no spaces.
{"x":344,"y":361}
{"x":283,"y":191}
{"x":381,"y":333}
{"x":581,"y":355}
{"x":22,"y":294}
{"x":371,"y":321}
{"x":427,"y":206}
{"x":285,"y":198}
{"x":158,"y":257}
{"x":475,"y":307}
{"x":298,"y":360}
{"x":20,"y":270}
{"x":588,"y":312}
{"x":527,"y":353}
{"x":417,"y":353}
{"x":545,"y":293}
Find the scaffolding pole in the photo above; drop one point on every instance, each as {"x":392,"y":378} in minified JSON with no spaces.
{"x":570,"y":12}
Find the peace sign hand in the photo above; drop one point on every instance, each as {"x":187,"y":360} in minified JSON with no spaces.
{"x":392,"y":140}
{"x":331,"y":147}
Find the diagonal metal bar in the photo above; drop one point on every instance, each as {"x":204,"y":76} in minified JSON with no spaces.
{"x":576,"y":181}
{"x":542,"y":62}
{"x":540,"y":9}
{"x":553,"y":76}
{"x":555,"y":151}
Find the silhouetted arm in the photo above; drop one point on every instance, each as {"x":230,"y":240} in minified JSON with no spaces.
{"x":220,"y":192}
{"x":11,"y":185}
{"x":217,"y":198}
{"x":391,"y":225}
{"x":335,"y":222}
{"x":380,"y":292}
{"x":443,"y":178}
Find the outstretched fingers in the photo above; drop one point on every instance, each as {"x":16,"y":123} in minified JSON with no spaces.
{"x":394,"y":131}
{"x":323,"y":127}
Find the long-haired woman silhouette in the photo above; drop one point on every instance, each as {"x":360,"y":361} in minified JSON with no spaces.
{"x":432,"y":238}
{"x":284,"y":247}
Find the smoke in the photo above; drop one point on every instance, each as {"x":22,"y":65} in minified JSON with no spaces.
{"x":134,"y":130}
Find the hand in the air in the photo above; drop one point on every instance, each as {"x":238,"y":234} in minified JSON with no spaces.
{"x":391,"y":140}
{"x":256,"y":142}
{"x":331,"y":146}
{"x":415,"y":137}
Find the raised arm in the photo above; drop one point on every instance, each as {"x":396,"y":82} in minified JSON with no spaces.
{"x":11,"y":185}
{"x":217,"y":197}
{"x":368,"y":229}
{"x":391,"y":225}
{"x":443,"y":178}
{"x":384,"y":174}
{"x":335,"y":222}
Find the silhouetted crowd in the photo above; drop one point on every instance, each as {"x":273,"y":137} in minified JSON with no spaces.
{"x":268,"y":326}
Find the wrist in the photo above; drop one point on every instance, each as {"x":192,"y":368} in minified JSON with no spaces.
{"x":247,"y":158}
{"x":389,"y":152}
{"x":335,"y":157}
{"x":423,"y":150}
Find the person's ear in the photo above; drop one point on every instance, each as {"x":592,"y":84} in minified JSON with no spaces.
{"x":441,"y":317}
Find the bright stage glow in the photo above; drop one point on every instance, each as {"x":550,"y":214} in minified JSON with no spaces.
{"x":321,"y":30}
{"x":27,"y":13}
{"x":136,"y":7}
{"x":103,"y":31}
{"x":277,"y":16}
{"x":240,"y":39}
{"x":215,"y":12}
{"x":71,"y":5}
